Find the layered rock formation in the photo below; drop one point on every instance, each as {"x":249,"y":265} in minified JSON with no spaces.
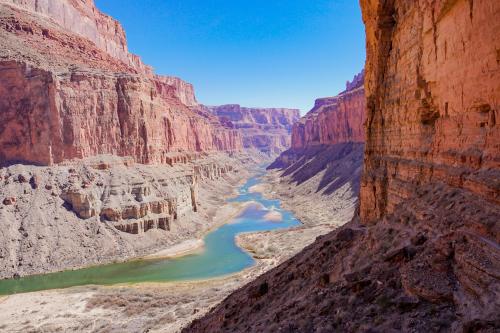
{"x":433,"y":100}
{"x":334,"y":119}
{"x":70,"y":89}
{"x":266,"y":129}
{"x":322,"y":169}
{"x":135,"y":205}
{"x":424,"y":253}
{"x":106,"y":208}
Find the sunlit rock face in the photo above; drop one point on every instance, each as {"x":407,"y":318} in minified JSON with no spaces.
{"x":334,"y":120}
{"x":423,"y":253}
{"x":266,"y":129}
{"x":81,"y":17}
{"x":433,"y":95}
{"x":70,"y":89}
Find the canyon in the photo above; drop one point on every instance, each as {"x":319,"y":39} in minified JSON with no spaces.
{"x":395,"y":180}
{"x":106,"y":209}
{"x":318,"y":178}
{"x":267,"y":130}
{"x":71,"y":90}
{"x":126,"y":161}
{"x":422,"y":253}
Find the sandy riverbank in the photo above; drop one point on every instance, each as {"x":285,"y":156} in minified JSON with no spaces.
{"x":225,"y":214}
{"x":154,"y":307}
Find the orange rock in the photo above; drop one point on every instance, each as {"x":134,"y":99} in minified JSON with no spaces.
{"x":333,"y":120}
{"x":88,"y":95}
{"x":9,"y":201}
{"x":432,"y":86}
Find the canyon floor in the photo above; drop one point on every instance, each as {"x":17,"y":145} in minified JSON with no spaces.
{"x":164,"y":307}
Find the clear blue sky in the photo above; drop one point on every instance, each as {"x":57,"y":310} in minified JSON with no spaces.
{"x":267,"y":53}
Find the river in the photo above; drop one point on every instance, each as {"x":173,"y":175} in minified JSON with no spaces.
{"x":221,"y":256}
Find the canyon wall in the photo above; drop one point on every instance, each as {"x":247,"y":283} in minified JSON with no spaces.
{"x":80,"y":119}
{"x":319,"y":176}
{"x":423,"y":254}
{"x":433,"y":98}
{"x":334,"y":119}
{"x":71,"y":90}
{"x":81,"y":17}
{"x":266,"y":129}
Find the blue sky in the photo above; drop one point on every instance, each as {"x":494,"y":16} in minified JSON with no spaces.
{"x":267,"y":53}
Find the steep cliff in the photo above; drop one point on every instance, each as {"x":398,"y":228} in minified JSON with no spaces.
{"x":433,"y":100}
{"x":320,"y":174}
{"x":334,"y":119}
{"x":267,"y":130}
{"x":423,"y":256}
{"x":70,"y":89}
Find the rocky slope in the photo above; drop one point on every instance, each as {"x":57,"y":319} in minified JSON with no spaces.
{"x":265,"y":129}
{"x":70,"y":89}
{"x":319,"y":175}
{"x":105,"y":208}
{"x":319,"y":184}
{"x":424,"y":253}
{"x":85,"y":117}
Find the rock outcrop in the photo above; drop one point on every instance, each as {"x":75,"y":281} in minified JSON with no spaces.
{"x":106,"y":208}
{"x":266,"y":129}
{"x":136,"y":205}
{"x":70,"y":89}
{"x":432,"y":85}
{"x":334,"y":119}
{"x":322,"y":169}
{"x":423,"y":255}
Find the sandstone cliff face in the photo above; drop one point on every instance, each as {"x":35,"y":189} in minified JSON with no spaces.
{"x":423,"y":255}
{"x":81,"y":17}
{"x":266,"y":129}
{"x":432,"y":87}
{"x":69,"y":90}
{"x":334,"y":119}
{"x":326,"y":157}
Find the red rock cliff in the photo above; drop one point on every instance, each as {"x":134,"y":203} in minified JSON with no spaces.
{"x":425,"y":257}
{"x":433,"y":94}
{"x":334,"y":120}
{"x":81,"y":17}
{"x":70,"y":89}
{"x":267,"y":129}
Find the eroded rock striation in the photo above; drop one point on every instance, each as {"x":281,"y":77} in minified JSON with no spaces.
{"x":266,"y":129}
{"x":432,"y":85}
{"x":70,"y":89}
{"x":106,"y":208}
{"x":423,"y":254}
{"x":322,"y":169}
{"x":334,"y":119}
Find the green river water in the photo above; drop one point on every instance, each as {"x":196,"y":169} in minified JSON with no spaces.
{"x":221,"y":255}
